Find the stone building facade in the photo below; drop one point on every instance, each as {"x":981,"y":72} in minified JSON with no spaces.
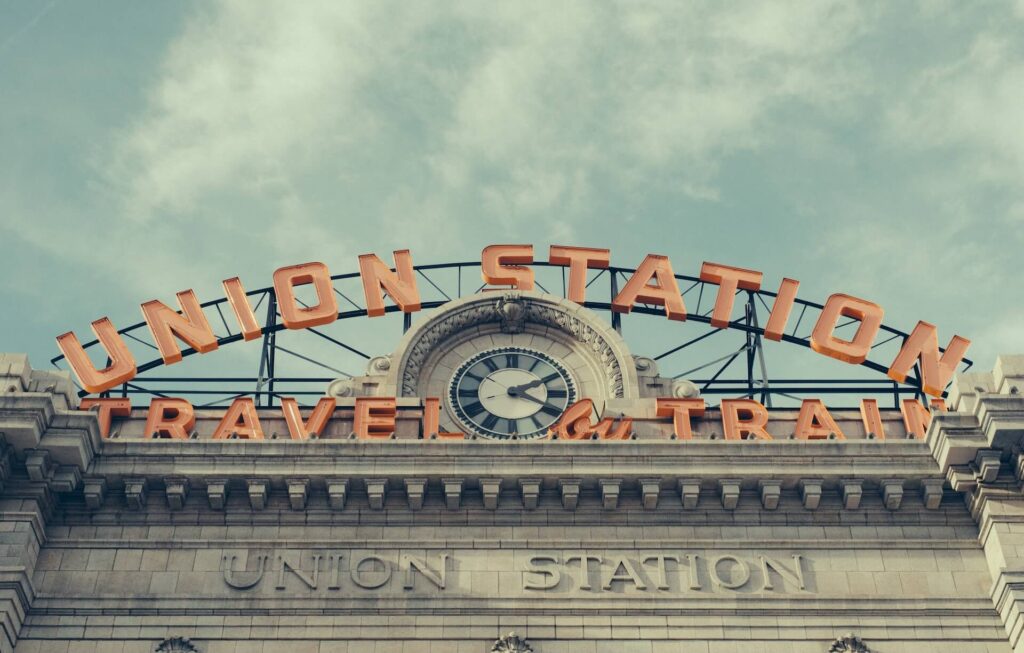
{"x":126,"y":544}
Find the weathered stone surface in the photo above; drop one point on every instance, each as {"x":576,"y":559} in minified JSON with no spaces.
{"x":311,"y":553}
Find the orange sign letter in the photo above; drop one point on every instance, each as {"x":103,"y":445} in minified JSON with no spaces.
{"x":680,"y":410}
{"x":432,"y":421}
{"x":241,"y":420}
{"x":326,"y":309}
{"x":374,"y":418}
{"x":850,"y":351}
{"x":663,"y":293}
{"x":169,"y":418}
{"x":235,"y":293}
{"x":872,"y":418}
{"x":122,"y":365}
{"x":729,"y":279}
{"x":744,"y":419}
{"x":399,"y":285}
{"x":923,"y":345}
{"x":781,"y":309}
{"x":578,"y":259}
{"x":106,"y":410}
{"x":496,"y":273}
{"x":317,"y":419}
{"x":815,"y":422}
{"x":191,"y":326}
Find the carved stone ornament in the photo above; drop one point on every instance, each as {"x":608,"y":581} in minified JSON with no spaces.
{"x":511,"y":643}
{"x":511,"y":313}
{"x":849,"y":643}
{"x":176,"y":645}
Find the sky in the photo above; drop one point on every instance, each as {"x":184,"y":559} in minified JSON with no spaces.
{"x":873,"y":148}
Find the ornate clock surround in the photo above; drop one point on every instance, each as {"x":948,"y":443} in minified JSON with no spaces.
{"x":511,"y":312}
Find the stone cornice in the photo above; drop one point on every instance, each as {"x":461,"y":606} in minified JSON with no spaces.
{"x":786,"y":460}
{"x":41,"y":421}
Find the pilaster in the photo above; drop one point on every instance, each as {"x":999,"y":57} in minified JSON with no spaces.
{"x":978,"y":447}
{"x":46,"y":446}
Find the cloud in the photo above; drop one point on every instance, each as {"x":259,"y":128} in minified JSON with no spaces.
{"x":969,"y":112}
{"x":420,"y":115}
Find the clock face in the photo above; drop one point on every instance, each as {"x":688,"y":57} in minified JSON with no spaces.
{"x":510,"y":391}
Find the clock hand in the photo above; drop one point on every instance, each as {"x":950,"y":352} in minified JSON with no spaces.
{"x":535,"y":400}
{"x":516,"y":389}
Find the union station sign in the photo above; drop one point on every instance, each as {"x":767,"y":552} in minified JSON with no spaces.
{"x":523,"y":389}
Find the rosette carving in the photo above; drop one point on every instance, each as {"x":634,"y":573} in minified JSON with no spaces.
{"x":176,"y":645}
{"x":511,"y":643}
{"x":849,"y":643}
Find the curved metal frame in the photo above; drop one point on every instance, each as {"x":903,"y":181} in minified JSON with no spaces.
{"x":749,"y":386}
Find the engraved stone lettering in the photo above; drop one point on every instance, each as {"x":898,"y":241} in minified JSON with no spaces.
{"x":736,"y":576}
{"x":239,"y":581}
{"x":370,"y":578}
{"x":407,"y":563}
{"x":629,"y":573}
{"x":795,"y":575}
{"x":310,"y":580}
{"x":549,"y":578}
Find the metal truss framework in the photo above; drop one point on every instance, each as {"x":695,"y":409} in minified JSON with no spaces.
{"x":754,"y":382}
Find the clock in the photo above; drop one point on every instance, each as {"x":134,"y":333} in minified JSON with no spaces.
{"x":510,"y":391}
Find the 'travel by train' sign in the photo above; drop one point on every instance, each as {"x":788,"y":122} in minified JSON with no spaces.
{"x":512,"y":390}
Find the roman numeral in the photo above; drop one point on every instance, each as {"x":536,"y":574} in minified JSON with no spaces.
{"x":511,"y":360}
{"x":551,"y":377}
{"x":536,"y":422}
{"x":559,"y":393}
{"x":554,"y":411}
{"x":490,"y":364}
{"x":474,"y":409}
{"x":489,"y":422}
{"x":534,"y":364}
{"x":463,"y":392}
{"x":470,"y":375}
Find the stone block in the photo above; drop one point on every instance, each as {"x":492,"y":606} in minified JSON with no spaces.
{"x":298,"y":490}
{"x":415,"y":490}
{"x":730,"y":489}
{"x":452,"y":492}
{"x":650,"y":490}
{"x":95,"y":491}
{"x":490,"y":488}
{"x":216,"y":493}
{"x":376,"y":492}
{"x":810,"y":493}
{"x":892,"y":493}
{"x":337,"y":492}
{"x":771,"y":492}
{"x":570,"y":488}
{"x":530,"y":490}
{"x":1008,"y":374}
{"x":135,"y":492}
{"x":66,"y":478}
{"x":988,"y":462}
{"x":38,"y":464}
{"x":258,"y":488}
{"x":853,"y":492}
{"x":610,"y":492}
{"x":689,"y":492}
{"x":176,"y":490}
{"x":931,"y":492}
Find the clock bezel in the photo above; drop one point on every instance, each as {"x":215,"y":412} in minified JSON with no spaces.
{"x":476,"y":429}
